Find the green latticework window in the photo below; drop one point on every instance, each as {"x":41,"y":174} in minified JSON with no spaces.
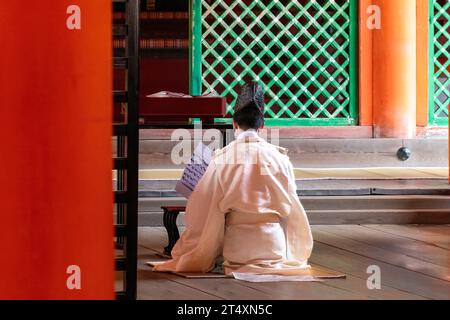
{"x":439,"y":62}
{"x":302,"y":51}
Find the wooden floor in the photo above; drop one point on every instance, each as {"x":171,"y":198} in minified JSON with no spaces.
{"x":414,"y":263}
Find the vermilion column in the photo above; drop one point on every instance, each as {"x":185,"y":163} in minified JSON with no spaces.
{"x":422,"y":61}
{"x":365,"y":64}
{"x":394,"y":70}
{"x":56,"y":240}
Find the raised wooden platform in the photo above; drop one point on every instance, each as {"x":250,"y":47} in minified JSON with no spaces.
{"x":413,"y":262}
{"x":347,"y":187}
{"x":408,"y":192}
{"x":155,"y":152}
{"x":329,"y":202}
{"x":356,"y":132}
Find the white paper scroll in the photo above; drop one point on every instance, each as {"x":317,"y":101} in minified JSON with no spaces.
{"x":194,"y":170}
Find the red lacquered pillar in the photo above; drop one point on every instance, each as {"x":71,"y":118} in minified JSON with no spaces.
{"x":394,"y":70}
{"x":56,"y":240}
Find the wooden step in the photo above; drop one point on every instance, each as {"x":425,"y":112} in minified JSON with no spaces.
{"x":339,"y":217}
{"x":358,"y":217}
{"x":339,"y":210}
{"x":333,"y":203}
{"x":321,"y":153}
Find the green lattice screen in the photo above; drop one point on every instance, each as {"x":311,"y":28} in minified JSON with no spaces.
{"x":439,"y":92}
{"x":303,"y":51}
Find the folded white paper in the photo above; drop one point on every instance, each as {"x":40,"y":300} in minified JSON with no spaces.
{"x":194,"y":170}
{"x":250,"y":277}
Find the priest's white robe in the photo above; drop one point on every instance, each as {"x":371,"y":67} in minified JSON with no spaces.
{"x":245,"y":208}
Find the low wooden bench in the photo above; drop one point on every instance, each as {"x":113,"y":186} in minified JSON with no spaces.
{"x":170,"y":223}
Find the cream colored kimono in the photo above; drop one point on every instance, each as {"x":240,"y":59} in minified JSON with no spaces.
{"x":245,"y":208}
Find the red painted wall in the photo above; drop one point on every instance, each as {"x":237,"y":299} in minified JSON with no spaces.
{"x":55,"y":186}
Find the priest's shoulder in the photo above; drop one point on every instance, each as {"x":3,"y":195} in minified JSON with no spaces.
{"x":220,"y":152}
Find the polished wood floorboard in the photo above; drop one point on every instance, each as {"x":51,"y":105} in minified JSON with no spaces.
{"x":414,"y":261}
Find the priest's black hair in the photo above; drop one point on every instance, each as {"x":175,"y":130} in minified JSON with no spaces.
{"x":249,"y":117}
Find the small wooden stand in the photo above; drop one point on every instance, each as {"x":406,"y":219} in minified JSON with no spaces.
{"x":170,"y":223}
